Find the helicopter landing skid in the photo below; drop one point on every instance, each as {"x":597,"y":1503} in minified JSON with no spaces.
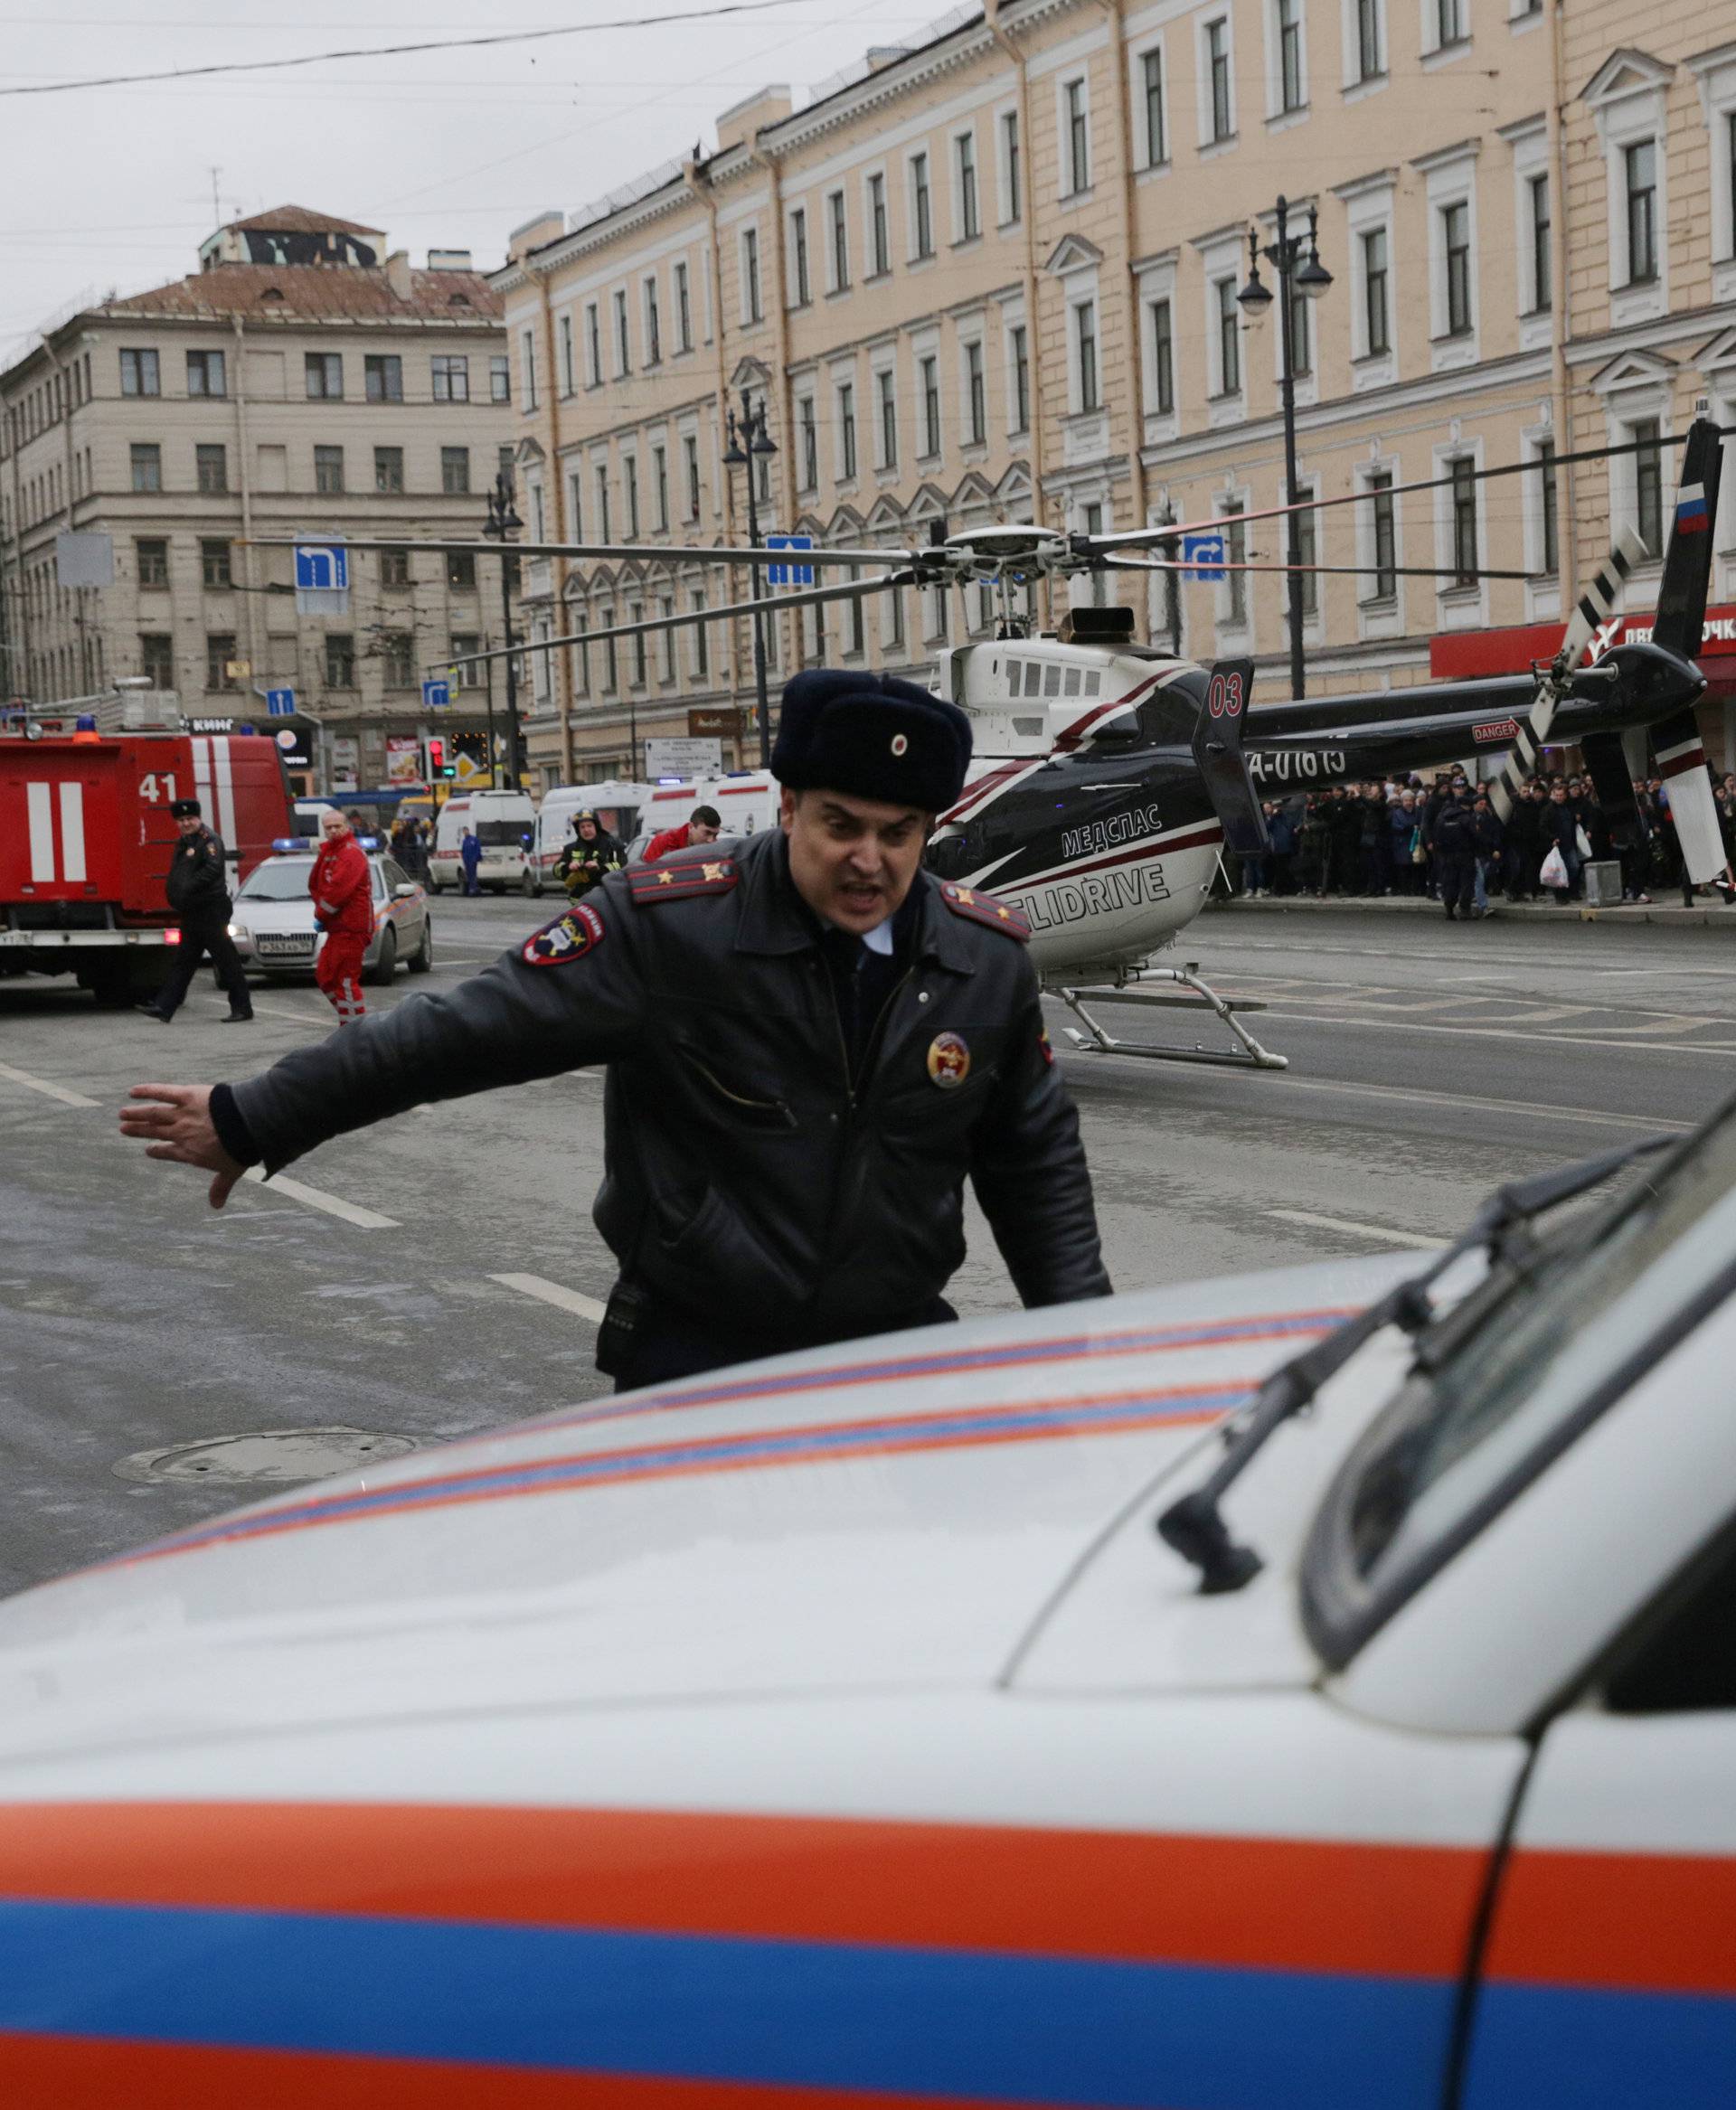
{"x":1095,"y":1040}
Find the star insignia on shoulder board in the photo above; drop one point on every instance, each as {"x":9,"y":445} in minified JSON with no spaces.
{"x":713,"y":871}
{"x":967,"y":897}
{"x":1005,"y":915}
{"x":665,"y":879}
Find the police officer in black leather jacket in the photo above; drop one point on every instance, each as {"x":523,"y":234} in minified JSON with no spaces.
{"x":812,"y":1042}
{"x":198,"y":893}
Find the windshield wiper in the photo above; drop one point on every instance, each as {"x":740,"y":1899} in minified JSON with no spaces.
{"x":1194,"y":1526}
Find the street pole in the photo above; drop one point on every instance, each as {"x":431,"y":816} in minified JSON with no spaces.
{"x":751,"y":439}
{"x":502,"y":523}
{"x":488,"y":692}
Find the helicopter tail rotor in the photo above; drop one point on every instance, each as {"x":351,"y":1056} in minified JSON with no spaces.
{"x":1219,"y":757}
{"x":1680,"y":628}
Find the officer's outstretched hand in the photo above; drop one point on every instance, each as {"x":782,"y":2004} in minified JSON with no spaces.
{"x":174,"y":1121}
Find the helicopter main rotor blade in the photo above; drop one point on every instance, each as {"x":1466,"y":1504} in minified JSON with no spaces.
{"x":1354,"y":570}
{"x":813,"y":598}
{"x":667,"y":554}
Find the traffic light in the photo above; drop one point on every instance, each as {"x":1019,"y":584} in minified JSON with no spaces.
{"x":438,"y":764}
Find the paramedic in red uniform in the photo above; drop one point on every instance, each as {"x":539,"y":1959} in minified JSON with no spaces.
{"x":342,"y":886}
{"x":703,"y":824}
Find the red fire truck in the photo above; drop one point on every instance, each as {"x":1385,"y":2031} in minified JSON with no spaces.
{"x":86,"y":834}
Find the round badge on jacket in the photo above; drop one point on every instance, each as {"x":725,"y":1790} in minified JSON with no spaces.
{"x":949,"y":1061}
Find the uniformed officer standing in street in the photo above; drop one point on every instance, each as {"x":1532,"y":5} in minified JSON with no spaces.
{"x":198,"y":893}
{"x":811,"y":1043}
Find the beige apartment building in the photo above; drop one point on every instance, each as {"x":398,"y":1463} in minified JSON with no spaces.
{"x":993,"y":276}
{"x":304,"y":381}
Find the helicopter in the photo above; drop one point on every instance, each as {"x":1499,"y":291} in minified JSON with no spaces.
{"x":1110,"y":777}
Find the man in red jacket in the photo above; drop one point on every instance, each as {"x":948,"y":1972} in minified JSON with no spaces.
{"x":342,"y":886}
{"x":703,"y":824}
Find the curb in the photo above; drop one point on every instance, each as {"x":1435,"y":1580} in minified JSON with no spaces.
{"x":1711,"y":917}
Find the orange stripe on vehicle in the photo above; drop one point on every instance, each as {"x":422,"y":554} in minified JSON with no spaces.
{"x":81,"y":2073}
{"x":1653,"y":1922}
{"x":1266,"y":1903}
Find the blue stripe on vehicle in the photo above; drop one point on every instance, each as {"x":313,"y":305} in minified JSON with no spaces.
{"x":765,"y":1448}
{"x":1585,"y":2048}
{"x":1111,"y":2036}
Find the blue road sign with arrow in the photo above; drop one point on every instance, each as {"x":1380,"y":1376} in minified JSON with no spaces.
{"x":322,"y":568}
{"x":280,"y":702}
{"x":436,"y":696}
{"x":1204,"y":556}
{"x":789,"y":574}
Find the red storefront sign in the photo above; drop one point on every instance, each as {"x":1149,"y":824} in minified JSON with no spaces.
{"x":1469,"y":654}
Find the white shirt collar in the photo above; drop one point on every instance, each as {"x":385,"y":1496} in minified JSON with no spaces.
{"x":880,"y":938}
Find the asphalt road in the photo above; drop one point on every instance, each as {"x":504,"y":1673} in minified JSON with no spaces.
{"x":440,"y":1273}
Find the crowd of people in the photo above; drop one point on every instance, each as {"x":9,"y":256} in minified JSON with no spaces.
{"x":1444,"y":841}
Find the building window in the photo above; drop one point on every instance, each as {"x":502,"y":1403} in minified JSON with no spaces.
{"x":148,"y":466}
{"x":1639,"y":172}
{"x":568,"y":379}
{"x":455,"y":471}
{"x":219,"y":656}
{"x":384,"y":377}
{"x":798,"y":254}
{"x":1292,"y":87}
{"x":1463,"y":475}
{"x":1078,"y":138}
{"x":1449,"y":21}
{"x":1151,"y":74}
{"x":750,"y":274}
{"x":151,"y":561}
{"x":701,"y":640}
{"x":328,"y":469}
{"x":579,"y":658}
{"x":1163,"y":358}
{"x":395,"y":566}
{"x":1648,"y":485}
{"x":1010,"y":163}
{"x":214,"y":564}
{"x":465,"y":645}
{"x":156,"y":658}
{"x":1542,"y":266}
{"x":388,"y":468}
{"x":139,"y":375}
{"x":855,"y":632}
{"x":975,"y":395}
{"x":631,"y":491}
{"x":205,"y":375}
{"x":660,"y":485}
{"x":921,"y":205}
{"x":1456,"y":245}
{"x":211,"y":460}
{"x":451,"y":371}
{"x":690,"y":462}
{"x":1377,"y":317}
{"x":602,"y":501}
{"x":1021,"y":378}
{"x":324,"y":376}
{"x":1217,"y":67}
{"x":847,"y":431}
{"x":1550,"y":551}
{"x":840,"y":241}
{"x":969,"y":219}
{"x":636,"y":613}
{"x":527,"y":367}
{"x":1385,"y":538}
{"x":461,"y":570}
{"x":500,"y":378}
{"x":886,"y":382}
{"x":340,"y":660}
{"x":1229,"y":338}
{"x":653,"y":322}
{"x":1236,"y":553}
{"x":667,"y":640}
{"x":1369,"y":64}
{"x":928,"y":371}
{"x":397,"y":659}
{"x":1085,"y":350}
{"x":683,"y":310}
{"x":1306,"y":584}
{"x":879,"y":233}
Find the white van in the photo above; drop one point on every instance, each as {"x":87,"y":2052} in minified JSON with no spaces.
{"x":616,"y":805}
{"x":504,"y":822}
{"x":745,"y":802}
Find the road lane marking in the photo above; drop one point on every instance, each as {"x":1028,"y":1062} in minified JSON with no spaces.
{"x":1476,"y":1103}
{"x":1361,"y":1230}
{"x":553,"y":1293}
{"x":331,"y":1204}
{"x":1393,"y":1025}
{"x":48,"y":1090}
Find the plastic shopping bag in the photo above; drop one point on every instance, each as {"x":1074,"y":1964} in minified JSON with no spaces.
{"x":1555,"y":872}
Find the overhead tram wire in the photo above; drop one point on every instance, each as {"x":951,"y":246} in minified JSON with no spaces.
{"x":717,"y":11}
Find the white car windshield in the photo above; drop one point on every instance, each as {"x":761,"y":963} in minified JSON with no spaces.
{"x":278,"y":879}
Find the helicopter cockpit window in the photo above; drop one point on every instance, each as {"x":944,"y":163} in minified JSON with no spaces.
{"x":1051,"y":681}
{"x":1166,"y":718}
{"x":1093,"y":684}
{"x":1074,"y":681}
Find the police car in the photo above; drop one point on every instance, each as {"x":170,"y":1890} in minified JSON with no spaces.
{"x":1298,"y":1691}
{"x":273,"y":925}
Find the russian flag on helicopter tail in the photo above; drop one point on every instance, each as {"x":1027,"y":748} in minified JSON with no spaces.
{"x":1690,"y":517}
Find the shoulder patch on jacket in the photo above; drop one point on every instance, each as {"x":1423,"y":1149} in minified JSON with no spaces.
{"x":568,"y":939}
{"x":680,"y":882}
{"x":987,"y":908}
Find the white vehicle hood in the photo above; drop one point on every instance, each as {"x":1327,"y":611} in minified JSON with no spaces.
{"x":910,"y":1512}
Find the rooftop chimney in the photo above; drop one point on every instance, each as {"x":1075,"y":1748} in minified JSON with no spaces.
{"x":398,"y":273}
{"x":448,"y":259}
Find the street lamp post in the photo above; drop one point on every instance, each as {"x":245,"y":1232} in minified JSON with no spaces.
{"x":747,"y":439}
{"x":1307,"y":275}
{"x":501,"y":523}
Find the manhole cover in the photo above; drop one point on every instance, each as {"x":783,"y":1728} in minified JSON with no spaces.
{"x":268,"y":1453}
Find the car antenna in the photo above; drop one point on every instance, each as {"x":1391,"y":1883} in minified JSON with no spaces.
{"x":1194,"y":1525}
